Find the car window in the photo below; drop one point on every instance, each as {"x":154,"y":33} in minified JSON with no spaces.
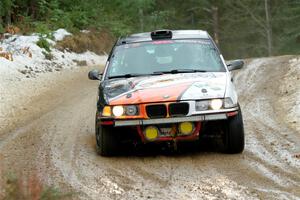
{"x":164,"y":55}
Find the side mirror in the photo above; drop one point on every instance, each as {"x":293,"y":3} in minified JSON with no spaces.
{"x":95,"y":75}
{"x":234,"y":65}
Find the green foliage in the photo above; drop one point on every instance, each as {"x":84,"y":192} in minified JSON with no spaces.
{"x":42,"y":8}
{"x":240,"y":25}
{"x":79,"y":19}
{"x":43,"y":43}
{"x":1,"y":29}
{"x":41,"y":27}
{"x":28,"y":189}
{"x":6,"y":7}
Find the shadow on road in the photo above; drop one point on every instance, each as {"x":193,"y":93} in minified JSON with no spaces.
{"x":167,"y":149}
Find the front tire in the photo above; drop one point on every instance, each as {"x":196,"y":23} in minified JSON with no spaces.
{"x":234,"y":136}
{"x":106,"y":141}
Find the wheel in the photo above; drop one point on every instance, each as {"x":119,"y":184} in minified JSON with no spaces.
{"x":106,"y":141}
{"x":234,"y":140}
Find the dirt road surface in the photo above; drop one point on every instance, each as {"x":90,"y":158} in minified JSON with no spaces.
{"x":52,"y":134}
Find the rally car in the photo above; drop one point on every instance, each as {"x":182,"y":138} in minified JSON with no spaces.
{"x":167,"y":86}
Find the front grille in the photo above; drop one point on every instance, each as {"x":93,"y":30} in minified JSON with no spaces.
{"x":178,"y":109}
{"x":156,"y":111}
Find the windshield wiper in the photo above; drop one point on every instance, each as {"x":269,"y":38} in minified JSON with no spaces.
{"x":176,"y":71}
{"x":132,"y":75}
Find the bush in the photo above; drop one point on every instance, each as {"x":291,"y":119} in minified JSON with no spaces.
{"x":43,"y":43}
{"x":42,"y":28}
{"x":28,"y":189}
{"x":26,"y":25}
{"x":48,"y":55}
{"x":64,"y":22}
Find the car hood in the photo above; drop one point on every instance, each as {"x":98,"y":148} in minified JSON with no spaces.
{"x":163,"y":88}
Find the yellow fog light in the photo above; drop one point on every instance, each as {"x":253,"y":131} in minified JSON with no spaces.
{"x":186,"y":128}
{"x":151,"y":133}
{"x":106,"y":112}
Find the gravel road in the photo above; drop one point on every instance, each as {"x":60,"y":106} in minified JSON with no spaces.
{"x":52,"y":134}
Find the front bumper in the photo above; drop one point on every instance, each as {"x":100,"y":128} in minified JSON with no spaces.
{"x":217,"y":115}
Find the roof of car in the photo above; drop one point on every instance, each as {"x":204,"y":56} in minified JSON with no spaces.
{"x":176,"y":34}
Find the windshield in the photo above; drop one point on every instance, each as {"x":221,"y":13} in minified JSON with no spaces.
{"x":163,"y":56}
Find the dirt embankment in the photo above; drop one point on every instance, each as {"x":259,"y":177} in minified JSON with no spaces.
{"x":55,"y":137}
{"x":99,"y":42}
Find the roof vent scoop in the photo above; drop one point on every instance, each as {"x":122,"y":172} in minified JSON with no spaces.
{"x":161,"y":34}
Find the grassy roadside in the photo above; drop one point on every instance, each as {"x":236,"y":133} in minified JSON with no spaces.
{"x":14,"y":187}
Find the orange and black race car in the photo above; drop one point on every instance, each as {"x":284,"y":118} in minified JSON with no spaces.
{"x":167,"y":86}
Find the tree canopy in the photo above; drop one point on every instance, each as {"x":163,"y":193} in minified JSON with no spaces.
{"x":242,"y":28}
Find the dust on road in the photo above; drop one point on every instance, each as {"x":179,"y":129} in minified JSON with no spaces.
{"x":54,"y":136}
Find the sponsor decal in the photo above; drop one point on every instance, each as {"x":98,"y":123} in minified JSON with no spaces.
{"x":169,"y":87}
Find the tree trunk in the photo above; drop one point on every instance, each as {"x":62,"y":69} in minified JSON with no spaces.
{"x":215,"y":17}
{"x":8,"y":18}
{"x":193,"y":18}
{"x":268,"y":28}
{"x":141,"y":13}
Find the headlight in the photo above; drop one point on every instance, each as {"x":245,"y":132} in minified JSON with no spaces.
{"x":228,"y":103}
{"x":118,"y":111}
{"x":216,"y":104}
{"x":202,"y":105}
{"x":131,"y":110}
